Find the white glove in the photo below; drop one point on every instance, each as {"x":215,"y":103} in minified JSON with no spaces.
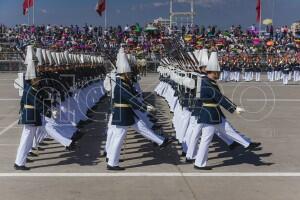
{"x":150,"y":108}
{"x":54,"y":114}
{"x":239,"y":110}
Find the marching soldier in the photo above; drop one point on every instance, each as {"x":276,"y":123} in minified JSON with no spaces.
{"x":257,"y":69}
{"x":270,"y":70}
{"x":211,"y":117}
{"x":278,"y":68}
{"x":238,"y":69}
{"x":30,"y":111}
{"x":285,"y":72}
{"x":230,"y":136}
{"x":297,"y":70}
{"x":247,"y":74}
{"x":123,"y":115}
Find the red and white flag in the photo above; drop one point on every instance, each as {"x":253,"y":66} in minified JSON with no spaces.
{"x":100,"y":7}
{"x":258,"y":10}
{"x":26,"y":5}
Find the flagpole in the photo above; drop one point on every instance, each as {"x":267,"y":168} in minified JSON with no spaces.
{"x":273,"y":9}
{"x":28,"y":13}
{"x":260,"y":18}
{"x":33,"y":11}
{"x":105,"y":16}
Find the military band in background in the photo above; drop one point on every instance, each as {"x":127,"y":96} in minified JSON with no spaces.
{"x":283,"y":68}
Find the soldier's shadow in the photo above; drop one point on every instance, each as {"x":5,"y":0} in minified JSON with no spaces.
{"x":89,"y":148}
{"x":146,"y":155}
{"x":238,"y":156}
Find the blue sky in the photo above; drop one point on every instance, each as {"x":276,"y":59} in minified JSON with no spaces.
{"x":218,"y":12}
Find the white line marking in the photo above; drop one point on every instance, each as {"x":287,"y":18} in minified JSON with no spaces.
{"x":150,"y":174}
{"x":272,"y":100}
{"x":266,"y":85}
{"x":8,"y":145}
{"x":9,"y":127}
{"x":9,"y":99}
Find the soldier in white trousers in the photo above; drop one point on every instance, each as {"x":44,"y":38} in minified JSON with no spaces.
{"x":31,"y":110}
{"x":211,"y":116}
{"x":123,"y":115}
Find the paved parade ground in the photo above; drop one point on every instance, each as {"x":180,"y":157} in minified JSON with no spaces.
{"x":270,"y":172}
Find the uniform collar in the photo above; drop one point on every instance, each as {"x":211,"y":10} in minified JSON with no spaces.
{"x":212,"y":81}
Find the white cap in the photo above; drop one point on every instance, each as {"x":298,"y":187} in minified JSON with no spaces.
{"x":195,"y":52}
{"x":62,"y":58}
{"x":53,"y":55}
{"x":19,"y":83}
{"x":100,"y":59}
{"x":30,"y":64}
{"x":129,"y":57}
{"x":213,"y":63}
{"x":82,"y":59}
{"x":45,"y":56}
{"x":49,"y":57}
{"x":191,"y":56}
{"x":121,"y":50}
{"x":29,"y":54}
{"x":94,"y":60}
{"x":122,"y":63}
{"x":59,"y":61}
{"x":74,"y":58}
{"x":71,"y":58}
{"x":89,"y":59}
{"x":78,"y":58}
{"x":39,"y":56}
{"x":204,"y":57}
{"x":198,"y":56}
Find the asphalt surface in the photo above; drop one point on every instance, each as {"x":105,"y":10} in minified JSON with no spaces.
{"x":273,"y":113}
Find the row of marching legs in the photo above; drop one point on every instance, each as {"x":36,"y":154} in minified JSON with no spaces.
{"x":237,"y":76}
{"x":284,"y":77}
{"x":195,"y":137}
{"x":64,"y":128}
{"x":272,"y":76}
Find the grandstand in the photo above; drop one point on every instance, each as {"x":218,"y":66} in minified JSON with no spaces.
{"x":10,"y":59}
